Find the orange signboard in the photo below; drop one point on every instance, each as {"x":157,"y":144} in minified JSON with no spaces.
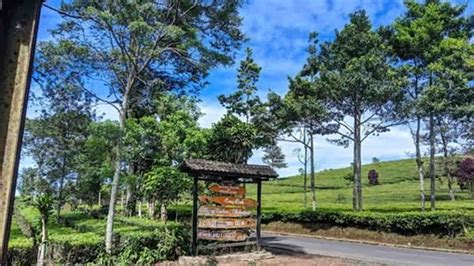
{"x":226,"y":223}
{"x":229,"y":201}
{"x":218,"y":211}
{"x":223,"y":235}
{"x":231,"y":190}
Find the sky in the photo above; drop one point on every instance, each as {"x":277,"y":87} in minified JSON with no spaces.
{"x":278,"y":33}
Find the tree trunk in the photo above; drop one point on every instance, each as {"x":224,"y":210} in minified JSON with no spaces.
{"x":357,"y":192}
{"x":61,"y":187}
{"x":151,"y":209}
{"x":140,"y":208}
{"x":419,"y":163}
{"x":43,"y":248}
{"x":444,"y":142}
{"x":164,"y":213}
{"x":305,"y":182}
{"x":130,"y":201}
{"x":113,"y":197}
{"x":313,"y":188}
{"x":122,"y":200}
{"x":432,"y":164}
{"x":99,"y":198}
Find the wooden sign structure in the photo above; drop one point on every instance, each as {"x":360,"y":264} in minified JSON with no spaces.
{"x":230,"y":190}
{"x":223,"y":235}
{"x":229,"y":223}
{"x":229,"y":220}
{"x":215,"y":211}
{"x":226,"y":205}
{"x":229,"y":201}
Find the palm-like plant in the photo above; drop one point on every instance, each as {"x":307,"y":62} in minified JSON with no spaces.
{"x":44,"y":204}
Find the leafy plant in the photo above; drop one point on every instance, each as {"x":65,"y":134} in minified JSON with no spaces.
{"x":373,"y":177}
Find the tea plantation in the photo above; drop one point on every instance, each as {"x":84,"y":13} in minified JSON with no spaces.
{"x":392,"y":206}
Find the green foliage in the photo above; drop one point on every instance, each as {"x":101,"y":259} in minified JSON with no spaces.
{"x":165,"y":184}
{"x":273,"y":156}
{"x":244,"y":101}
{"x":231,"y":140}
{"x":44,"y":204}
{"x":161,"y":244}
{"x":410,"y":223}
{"x":95,"y":162}
{"x":80,"y":240}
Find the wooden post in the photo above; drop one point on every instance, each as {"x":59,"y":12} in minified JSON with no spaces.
{"x":195,"y":217}
{"x":18,"y":29}
{"x":259,"y":214}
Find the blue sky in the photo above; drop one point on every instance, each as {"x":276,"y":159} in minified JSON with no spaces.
{"x":278,"y":32}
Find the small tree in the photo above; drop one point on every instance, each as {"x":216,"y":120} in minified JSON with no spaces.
{"x":274,"y":157}
{"x":465,"y":174}
{"x":373,"y":177}
{"x":165,"y":185}
{"x":44,"y":204}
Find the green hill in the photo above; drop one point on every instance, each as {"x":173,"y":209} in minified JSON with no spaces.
{"x":398,"y":190}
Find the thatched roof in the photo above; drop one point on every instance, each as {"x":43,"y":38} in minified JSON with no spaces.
{"x":228,"y":170}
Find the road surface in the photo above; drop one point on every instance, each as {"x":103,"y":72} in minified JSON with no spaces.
{"x":363,"y":252}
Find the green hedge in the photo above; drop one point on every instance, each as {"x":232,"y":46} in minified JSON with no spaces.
{"x":409,"y":223}
{"x":442,"y":223}
{"x":81,"y":241}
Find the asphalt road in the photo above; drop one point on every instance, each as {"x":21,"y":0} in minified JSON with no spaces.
{"x":363,"y":252}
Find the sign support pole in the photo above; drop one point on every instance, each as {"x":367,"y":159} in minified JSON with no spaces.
{"x":259,"y":214}
{"x":195,"y":217}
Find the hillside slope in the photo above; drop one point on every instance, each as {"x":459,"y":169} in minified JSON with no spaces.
{"x":398,"y":190}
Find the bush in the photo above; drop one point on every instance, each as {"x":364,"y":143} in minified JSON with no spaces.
{"x":412,"y":223}
{"x":373,"y":177}
{"x":80,"y":240}
{"x":167,"y":243}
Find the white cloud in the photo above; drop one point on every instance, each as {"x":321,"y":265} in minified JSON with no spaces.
{"x":106,"y":112}
{"x":213,"y":112}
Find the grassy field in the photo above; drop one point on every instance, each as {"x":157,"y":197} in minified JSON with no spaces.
{"x":398,"y":191}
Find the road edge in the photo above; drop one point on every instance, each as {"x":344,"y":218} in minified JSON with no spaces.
{"x":459,"y":251}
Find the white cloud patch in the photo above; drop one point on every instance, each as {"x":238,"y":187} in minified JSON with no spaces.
{"x":212,"y":113}
{"x":106,"y":112}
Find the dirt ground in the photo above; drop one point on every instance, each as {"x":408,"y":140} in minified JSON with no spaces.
{"x":262,"y":259}
{"x":295,"y":261}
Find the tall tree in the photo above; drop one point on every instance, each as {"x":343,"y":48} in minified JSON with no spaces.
{"x":130,"y":46}
{"x":427,"y":35}
{"x":55,"y":138}
{"x":304,"y":109}
{"x":358,"y":85}
{"x":244,"y":101}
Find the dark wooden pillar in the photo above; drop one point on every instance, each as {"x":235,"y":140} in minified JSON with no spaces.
{"x":18,"y":29}
{"x":259,"y":211}
{"x":195,"y":217}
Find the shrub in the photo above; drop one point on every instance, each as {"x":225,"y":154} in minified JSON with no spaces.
{"x":412,"y":223}
{"x":373,"y":177}
{"x":79,"y":240}
{"x":167,"y":243}
{"x":465,"y":174}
